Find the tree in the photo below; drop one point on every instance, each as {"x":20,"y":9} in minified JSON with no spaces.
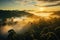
{"x":51,"y":36}
{"x":12,"y":35}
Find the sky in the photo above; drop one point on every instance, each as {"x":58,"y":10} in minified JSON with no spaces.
{"x":51,"y":5}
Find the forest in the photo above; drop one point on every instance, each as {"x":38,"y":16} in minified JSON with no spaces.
{"x":43,"y":30}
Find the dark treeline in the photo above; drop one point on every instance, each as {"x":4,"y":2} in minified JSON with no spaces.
{"x":4,"y":14}
{"x":14,"y":13}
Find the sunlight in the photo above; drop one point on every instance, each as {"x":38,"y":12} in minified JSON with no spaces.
{"x":42,"y":9}
{"x":44,"y":14}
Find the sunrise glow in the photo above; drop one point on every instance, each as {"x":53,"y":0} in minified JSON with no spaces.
{"x":44,"y":14}
{"x":29,"y":19}
{"x":42,"y":9}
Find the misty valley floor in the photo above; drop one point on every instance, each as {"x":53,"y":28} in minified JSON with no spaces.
{"x":28,"y":26}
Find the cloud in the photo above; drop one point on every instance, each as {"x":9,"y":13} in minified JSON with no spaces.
{"x":48,"y":0}
{"x":47,"y":4}
{"x":58,"y":4}
{"x":56,"y":13}
{"x":25,"y":2}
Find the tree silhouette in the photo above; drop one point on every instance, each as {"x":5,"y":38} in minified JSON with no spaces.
{"x":51,"y":36}
{"x":45,"y":30}
{"x":12,"y":35}
{"x":57,"y":31}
